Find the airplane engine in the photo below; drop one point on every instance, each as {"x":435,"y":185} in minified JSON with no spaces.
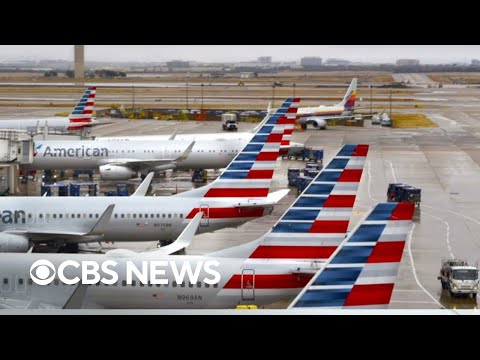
{"x":116,"y":172}
{"x":317,"y":123}
{"x":13,"y":243}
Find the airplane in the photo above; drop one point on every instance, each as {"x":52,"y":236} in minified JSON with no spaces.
{"x":124,"y":160}
{"x":317,"y":116}
{"x":241,"y":137}
{"x":79,"y":118}
{"x":240,"y":194}
{"x":306,"y":256}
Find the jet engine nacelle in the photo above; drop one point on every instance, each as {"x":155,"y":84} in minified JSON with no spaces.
{"x":13,"y":243}
{"x":117,"y":172}
{"x":317,"y":123}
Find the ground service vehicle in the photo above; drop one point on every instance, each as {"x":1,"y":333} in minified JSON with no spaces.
{"x":229,"y":122}
{"x":458,"y":277}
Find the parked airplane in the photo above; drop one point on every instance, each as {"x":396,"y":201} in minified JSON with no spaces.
{"x":80,"y":117}
{"x":237,"y":137}
{"x":357,"y":271}
{"x":240,"y":194}
{"x":317,"y":116}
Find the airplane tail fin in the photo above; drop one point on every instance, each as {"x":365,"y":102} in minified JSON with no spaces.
{"x":82,"y":113}
{"x":317,"y":222}
{"x":363,"y":269}
{"x":250,"y":173}
{"x":348,"y":101}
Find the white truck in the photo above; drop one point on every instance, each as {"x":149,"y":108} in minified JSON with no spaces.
{"x":229,"y":122}
{"x":458,"y":277}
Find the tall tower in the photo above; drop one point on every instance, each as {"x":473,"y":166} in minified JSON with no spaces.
{"x":79,"y":62}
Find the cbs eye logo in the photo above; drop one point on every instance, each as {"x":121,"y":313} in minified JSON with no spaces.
{"x":42,"y":272}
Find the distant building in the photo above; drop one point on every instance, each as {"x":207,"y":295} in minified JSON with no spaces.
{"x":178,"y":64}
{"x":408,"y":62}
{"x":337,"y":62}
{"x":475,"y":62}
{"x":310,"y":61}
{"x":264,"y":59}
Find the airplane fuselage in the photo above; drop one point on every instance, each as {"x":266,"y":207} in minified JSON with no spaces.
{"x":133,"y":219}
{"x":238,"y":281}
{"x":54,"y":123}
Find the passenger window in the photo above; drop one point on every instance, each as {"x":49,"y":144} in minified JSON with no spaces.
{"x":134,"y":282}
{"x":5,"y":281}
{"x":158,"y":285}
{"x":30,"y":282}
{"x":207,"y":285}
{"x":150,"y":284}
{"x":134,"y":216}
{"x":158,"y":215}
{"x":152,"y":216}
{"x":140,"y":216}
{"x":124,"y":283}
{"x":163,"y":216}
{"x":115,"y":216}
{"x":97,"y":216}
{"x":146,"y":216}
{"x":199,"y":284}
{"x":182,"y":284}
{"x":142,"y":284}
{"x":20,"y":281}
{"x":60,"y":216}
{"x":181,"y":216}
{"x":215,"y":285}
{"x":40,"y":216}
{"x":90,"y":216}
{"x":169,"y":216}
{"x":54,"y":216}
{"x":122,"y":216}
{"x":73,"y":216}
{"x":79,"y":216}
{"x":174,"y":284}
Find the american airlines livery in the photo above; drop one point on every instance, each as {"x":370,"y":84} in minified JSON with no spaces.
{"x":306,"y":256}
{"x":240,"y":194}
{"x":80,"y":117}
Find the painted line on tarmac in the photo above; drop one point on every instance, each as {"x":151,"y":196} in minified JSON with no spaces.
{"x":448,"y":231}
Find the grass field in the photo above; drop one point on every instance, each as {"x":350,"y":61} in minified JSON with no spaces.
{"x":411,"y":121}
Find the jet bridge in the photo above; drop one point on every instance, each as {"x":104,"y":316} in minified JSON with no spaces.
{"x":16,"y":148}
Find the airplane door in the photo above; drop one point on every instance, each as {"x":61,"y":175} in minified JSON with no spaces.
{"x":205,"y":221}
{"x":248,"y":284}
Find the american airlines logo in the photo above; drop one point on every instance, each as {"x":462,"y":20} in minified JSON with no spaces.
{"x":70,"y":272}
{"x":72,"y":152}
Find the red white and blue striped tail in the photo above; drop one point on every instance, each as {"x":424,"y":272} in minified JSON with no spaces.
{"x":250,"y":173}
{"x":84,"y":109}
{"x":317,"y":222}
{"x":362,"y":271}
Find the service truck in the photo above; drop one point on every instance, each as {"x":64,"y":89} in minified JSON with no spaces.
{"x":458,"y":277}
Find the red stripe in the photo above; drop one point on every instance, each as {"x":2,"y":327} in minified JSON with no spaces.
{"x":403,"y":211}
{"x":77,"y":127}
{"x":285,"y":121}
{"x":285,"y":142}
{"x":352,"y":175}
{"x":91,"y":96}
{"x":273,"y":138}
{"x":231,"y":192}
{"x":260,"y":174}
{"x":292,"y":252}
{"x":89,"y":103}
{"x":292,"y":110}
{"x":85,"y":120}
{"x":228,"y":213}
{"x":288,"y":132}
{"x":340,"y":201}
{"x":87,"y":112}
{"x":283,"y":152}
{"x":361,"y":150}
{"x":374,"y":294}
{"x":329,"y":226}
{"x":387,"y":252}
{"x":264,"y":281}
{"x":267,"y":156}
{"x":94,"y":88}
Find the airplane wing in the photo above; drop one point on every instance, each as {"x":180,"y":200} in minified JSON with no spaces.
{"x":362,"y":271}
{"x":138,"y":164}
{"x":95,"y":232}
{"x":183,"y":240}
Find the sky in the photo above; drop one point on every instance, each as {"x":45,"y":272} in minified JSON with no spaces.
{"x":234,"y":53}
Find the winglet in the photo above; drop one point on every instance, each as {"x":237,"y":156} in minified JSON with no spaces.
{"x":171,"y":137}
{"x":99,"y":227}
{"x":276,"y":196}
{"x":143,"y":188}
{"x":187,"y":152}
{"x":183,"y":240}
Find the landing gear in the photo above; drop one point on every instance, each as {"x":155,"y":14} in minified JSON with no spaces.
{"x":200,"y":176}
{"x":69,"y":248}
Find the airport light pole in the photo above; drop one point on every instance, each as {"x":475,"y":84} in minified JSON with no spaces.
{"x":293,"y":89}
{"x":390,"y":104}
{"x":186,"y":95}
{"x":273,"y":95}
{"x":371,"y":107}
{"x":133,"y":99}
{"x":202,"y":96}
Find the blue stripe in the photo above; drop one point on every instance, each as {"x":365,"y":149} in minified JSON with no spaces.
{"x":328,"y":176}
{"x":367,"y":233}
{"x":347,"y":150}
{"x":240,"y":166}
{"x":292,"y":228}
{"x":282,"y":111}
{"x":234,"y":175}
{"x":297,"y":214}
{"x":306,"y":201}
{"x":266,"y":129}
{"x":246,"y":157}
{"x":259,"y":139}
{"x":77,"y":112}
{"x":338,"y":276}
{"x":79,"y":108}
{"x":353,"y":255}
{"x":318,"y":298}
{"x":337,"y":164}
{"x":273,"y":120}
{"x":382,"y":211}
{"x":320,"y":189}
